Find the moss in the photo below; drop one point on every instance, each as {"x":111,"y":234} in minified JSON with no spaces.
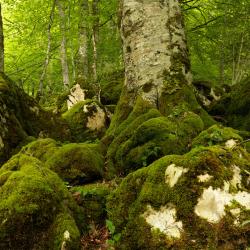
{"x":77,"y":163}
{"x":41,"y":149}
{"x":92,"y":198}
{"x":78,"y":117}
{"x":234,"y":106}
{"x":150,"y":137}
{"x":111,"y":85}
{"x":31,"y":199}
{"x":147,"y":186}
{"x":21,"y":116}
{"x":216,"y":135}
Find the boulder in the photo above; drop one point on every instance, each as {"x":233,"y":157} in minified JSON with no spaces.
{"x":87,"y":120}
{"x":74,"y":163}
{"x":36,"y":209}
{"x":199,"y":200}
{"x":21,"y":116}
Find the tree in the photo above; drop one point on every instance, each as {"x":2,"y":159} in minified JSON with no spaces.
{"x":64,"y":58}
{"x":157,"y":66}
{"x":1,"y":41}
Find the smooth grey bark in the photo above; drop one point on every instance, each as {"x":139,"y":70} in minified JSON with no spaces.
{"x":48,"y":52}
{"x":154,"y":47}
{"x":63,"y":49}
{"x":1,"y":41}
{"x":82,"y":63}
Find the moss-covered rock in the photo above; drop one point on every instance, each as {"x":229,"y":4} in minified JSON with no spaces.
{"x":234,"y":106}
{"x":21,"y":116}
{"x":92,"y":198}
{"x":76,"y":163}
{"x":217,"y":134}
{"x":199,"y":200}
{"x":36,"y":210}
{"x":111,"y":85}
{"x":87,"y":120}
{"x":142,"y":139}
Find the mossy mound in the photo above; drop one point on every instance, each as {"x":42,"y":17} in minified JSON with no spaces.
{"x":199,"y":200}
{"x":21,"y":116}
{"x":36,"y":210}
{"x":234,"y":106}
{"x":92,"y":198}
{"x":42,"y":149}
{"x":144,"y":138}
{"x":111,"y":87}
{"x":74,"y":163}
{"x":216,"y":134}
{"x":87,"y":120}
{"x":77,"y":163}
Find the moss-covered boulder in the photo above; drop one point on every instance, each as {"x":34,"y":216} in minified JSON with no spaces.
{"x":199,"y":200}
{"x":146,"y":135}
{"x":111,"y":85}
{"x":36,"y":209}
{"x":21,"y":116}
{"x":217,"y":134}
{"x":87,"y":120}
{"x":233,"y":108}
{"x":92,"y":198}
{"x":76,"y":163}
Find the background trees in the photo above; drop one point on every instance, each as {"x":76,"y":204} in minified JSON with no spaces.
{"x":85,"y":41}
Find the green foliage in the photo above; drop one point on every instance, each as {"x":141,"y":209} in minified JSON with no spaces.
{"x":115,"y":237}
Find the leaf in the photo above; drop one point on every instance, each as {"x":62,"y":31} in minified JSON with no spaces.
{"x":110,"y":226}
{"x":117,"y":237}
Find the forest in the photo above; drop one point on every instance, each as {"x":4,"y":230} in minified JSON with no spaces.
{"x":124,"y":125}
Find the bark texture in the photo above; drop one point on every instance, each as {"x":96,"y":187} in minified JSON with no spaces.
{"x":155,"y":51}
{"x":64,"y":59}
{"x":1,"y":41}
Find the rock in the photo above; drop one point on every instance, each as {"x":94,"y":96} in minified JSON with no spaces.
{"x":200,"y":200}
{"x":217,"y":134}
{"x":234,"y":106}
{"x":92,"y":198}
{"x":77,"y":94}
{"x":21,"y":116}
{"x":36,"y":210}
{"x":87,"y":120}
{"x":75,"y":163}
{"x":143,"y":138}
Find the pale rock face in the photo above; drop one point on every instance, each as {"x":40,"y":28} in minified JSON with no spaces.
{"x":236,"y":181}
{"x":173,"y":173}
{"x":204,"y":177}
{"x":164,"y":220}
{"x":77,"y":94}
{"x":211,"y":205}
{"x":230,"y":144}
{"x":153,"y":34}
{"x":97,"y":120}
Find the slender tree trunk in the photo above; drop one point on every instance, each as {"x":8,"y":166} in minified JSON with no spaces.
{"x":1,"y":41}
{"x":71,"y":45}
{"x":48,"y":52}
{"x":95,"y":33}
{"x":64,"y":58}
{"x":82,"y":63}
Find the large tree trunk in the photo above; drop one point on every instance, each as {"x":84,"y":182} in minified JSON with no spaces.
{"x":63,"y":50}
{"x":155,"y":55}
{"x":1,"y":41}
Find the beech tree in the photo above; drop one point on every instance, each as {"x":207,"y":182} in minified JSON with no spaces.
{"x":157,"y":66}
